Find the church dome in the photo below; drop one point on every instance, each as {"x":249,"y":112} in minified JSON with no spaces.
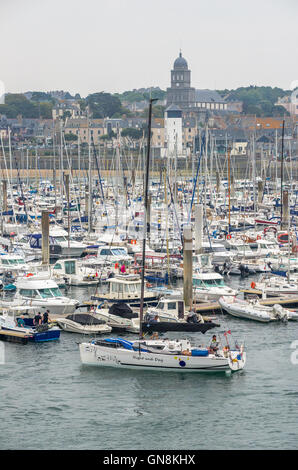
{"x":180,"y":62}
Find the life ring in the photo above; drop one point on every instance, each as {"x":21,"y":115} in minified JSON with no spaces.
{"x":253,"y":285}
{"x":282,"y":240}
{"x":259,"y":237}
{"x":229,"y":236}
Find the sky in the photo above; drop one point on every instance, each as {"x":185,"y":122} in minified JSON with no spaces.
{"x":88,"y":46}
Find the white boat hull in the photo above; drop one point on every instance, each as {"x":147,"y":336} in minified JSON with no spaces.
{"x":94,"y":355}
{"x":73,"y":327}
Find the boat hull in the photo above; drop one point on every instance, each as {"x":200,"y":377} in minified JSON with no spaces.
{"x":177,"y":326}
{"x":93,"y":355}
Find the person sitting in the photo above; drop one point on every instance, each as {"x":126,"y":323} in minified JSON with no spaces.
{"x":214,"y":344}
{"x":192,"y":317}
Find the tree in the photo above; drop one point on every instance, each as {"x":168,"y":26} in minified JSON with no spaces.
{"x":66,"y":114}
{"x":17,"y":104}
{"x":70,"y":137}
{"x":132,"y":132}
{"x":103,"y":104}
{"x":41,"y":96}
{"x":279,"y":111}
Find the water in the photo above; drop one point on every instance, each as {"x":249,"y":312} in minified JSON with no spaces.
{"x":50,"y":401}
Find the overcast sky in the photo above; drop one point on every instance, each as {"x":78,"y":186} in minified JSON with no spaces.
{"x":87,"y":46}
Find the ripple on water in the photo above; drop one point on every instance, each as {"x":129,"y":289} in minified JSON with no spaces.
{"x":46,"y":391}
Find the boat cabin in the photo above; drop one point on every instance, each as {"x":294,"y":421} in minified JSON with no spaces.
{"x":207,"y":280}
{"x":170,"y":306}
{"x":125,"y":286}
{"x":33,"y":288}
{"x":66,"y":266}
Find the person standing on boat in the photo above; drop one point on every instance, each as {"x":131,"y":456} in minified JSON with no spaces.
{"x":46,"y":319}
{"x":37,"y":319}
{"x":123,"y":269}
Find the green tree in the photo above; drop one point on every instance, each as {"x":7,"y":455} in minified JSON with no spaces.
{"x":71,"y":137}
{"x":132,"y":132}
{"x":103,"y":105}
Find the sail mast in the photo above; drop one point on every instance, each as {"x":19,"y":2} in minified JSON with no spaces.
{"x":145,"y":214}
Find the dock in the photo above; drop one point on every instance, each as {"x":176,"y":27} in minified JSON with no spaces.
{"x":14,"y":336}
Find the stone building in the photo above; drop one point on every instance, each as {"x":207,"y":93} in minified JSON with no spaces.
{"x":189,"y":99}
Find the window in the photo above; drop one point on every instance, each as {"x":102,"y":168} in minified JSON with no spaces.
{"x":58,"y":266}
{"x":56,"y":292}
{"x":45,"y":293}
{"x":70,"y":267}
{"x":27,"y":293}
{"x":172,"y":306}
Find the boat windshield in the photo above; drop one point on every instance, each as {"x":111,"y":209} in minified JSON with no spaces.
{"x":61,"y":239}
{"x":13,"y":261}
{"x":208,"y":282}
{"x":118,"y":251}
{"x":48,"y":293}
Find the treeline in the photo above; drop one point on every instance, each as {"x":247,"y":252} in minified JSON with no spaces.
{"x":18,"y":104}
{"x":258,"y":100}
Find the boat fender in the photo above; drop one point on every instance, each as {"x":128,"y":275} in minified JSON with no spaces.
{"x":253,"y":285}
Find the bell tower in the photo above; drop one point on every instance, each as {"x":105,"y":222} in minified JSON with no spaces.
{"x":181,"y":93}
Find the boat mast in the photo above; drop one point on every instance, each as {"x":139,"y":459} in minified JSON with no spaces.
{"x":145,"y":214}
{"x":282,"y":174}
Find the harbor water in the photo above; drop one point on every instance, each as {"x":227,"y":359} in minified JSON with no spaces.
{"x":50,"y":401}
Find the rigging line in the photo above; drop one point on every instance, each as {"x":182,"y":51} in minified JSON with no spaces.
{"x":71,"y":182}
{"x":99,"y":176}
{"x":174,"y":209}
{"x":195,"y":182}
{"x":21,"y":187}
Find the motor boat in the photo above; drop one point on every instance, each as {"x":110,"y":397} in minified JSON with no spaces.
{"x":83,"y":323}
{"x":126,"y":288}
{"x":210,"y":286}
{"x":253,"y":310}
{"x":37,"y":334}
{"x":120,"y":317}
{"x":74,"y":273}
{"x":43,"y":293}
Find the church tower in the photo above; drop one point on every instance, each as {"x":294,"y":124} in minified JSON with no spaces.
{"x":181,"y":93}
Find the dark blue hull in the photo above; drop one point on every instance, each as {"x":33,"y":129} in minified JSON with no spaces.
{"x":50,"y":335}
